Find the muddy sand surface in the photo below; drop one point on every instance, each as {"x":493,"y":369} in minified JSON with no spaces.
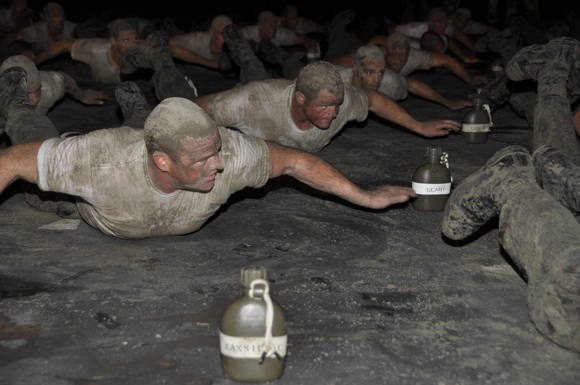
{"x":371,"y":297}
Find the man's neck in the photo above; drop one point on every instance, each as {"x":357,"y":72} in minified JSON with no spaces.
{"x":114,"y":57}
{"x":354,"y":81}
{"x":298,"y":117}
{"x":54,"y":33}
{"x":159,"y":178}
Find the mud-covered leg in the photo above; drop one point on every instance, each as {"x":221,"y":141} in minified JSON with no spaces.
{"x":554,"y":66}
{"x":543,"y":239}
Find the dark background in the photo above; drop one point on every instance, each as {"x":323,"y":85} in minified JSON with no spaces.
{"x":189,"y":14}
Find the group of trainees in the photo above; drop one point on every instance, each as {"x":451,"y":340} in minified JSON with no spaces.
{"x":182,"y":160}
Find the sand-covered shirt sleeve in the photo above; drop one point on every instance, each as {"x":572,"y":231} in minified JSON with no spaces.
{"x":393,"y":85}
{"x":108,"y":170}
{"x":419,"y":59}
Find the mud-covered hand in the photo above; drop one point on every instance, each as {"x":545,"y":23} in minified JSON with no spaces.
{"x":93,"y":98}
{"x":458,"y":104}
{"x":434,"y":128}
{"x":387,"y":195}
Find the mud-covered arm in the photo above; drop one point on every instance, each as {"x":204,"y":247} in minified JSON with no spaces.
{"x":88,"y":96}
{"x":387,"y":108}
{"x":54,"y":50}
{"x":425,"y":91}
{"x":317,"y":173}
{"x":19,"y":162}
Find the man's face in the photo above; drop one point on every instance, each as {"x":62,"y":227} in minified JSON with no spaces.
{"x":438,"y":25}
{"x":124,"y":41}
{"x":370,"y":73}
{"x":439,"y":47}
{"x":290,"y":21}
{"x":268,"y":29}
{"x":34,"y":93}
{"x":195,"y":167}
{"x":55,"y":20}
{"x":460,"y":21}
{"x":323,"y":109}
{"x":217,"y":39}
{"x":396,"y":58}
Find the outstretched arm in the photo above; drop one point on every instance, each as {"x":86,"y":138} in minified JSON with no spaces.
{"x":466,"y":41}
{"x":387,"y":108}
{"x":191,"y":57}
{"x":423,"y":90}
{"x":302,"y":39}
{"x":457,"y":68}
{"x":18,"y":162}
{"x":10,"y":38}
{"x":317,"y":173}
{"x":54,"y":50}
{"x":455,"y":47}
{"x":88,"y":96}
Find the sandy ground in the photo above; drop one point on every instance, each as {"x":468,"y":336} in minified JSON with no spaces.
{"x":373,"y":297}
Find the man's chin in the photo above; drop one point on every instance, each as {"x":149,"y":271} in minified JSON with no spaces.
{"x":201,"y":189}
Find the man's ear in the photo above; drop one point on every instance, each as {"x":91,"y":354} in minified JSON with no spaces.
{"x":162,"y":161}
{"x":300,"y":98}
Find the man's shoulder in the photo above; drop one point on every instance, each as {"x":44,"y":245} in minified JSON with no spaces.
{"x":419,"y":53}
{"x":350,"y":91}
{"x":116,"y":139}
{"x":92,"y":41}
{"x":93,"y":45}
{"x":51,"y":78}
{"x":69,"y":26}
{"x":262,"y":87}
{"x":234,"y":142}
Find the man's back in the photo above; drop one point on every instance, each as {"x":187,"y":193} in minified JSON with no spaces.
{"x":98,"y":166}
{"x":196,"y":41}
{"x":95,"y":53}
{"x":262,"y":109}
{"x":418,"y":59}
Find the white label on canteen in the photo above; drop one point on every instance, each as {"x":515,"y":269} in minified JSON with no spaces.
{"x":475,"y":127}
{"x":431,"y":188}
{"x":249,"y":347}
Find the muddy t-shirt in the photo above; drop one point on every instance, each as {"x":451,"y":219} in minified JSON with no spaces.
{"x":419,"y":59}
{"x":414,"y":31}
{"x":95,"y":53}
{"x":303,"y":26}
{"x":262,"y":109}
{"x":197,"y":41}
{"x":472,"y":28}
{"x":393,"y":85}
{"x":283,"y":37}
{"x":53,"y":90}
{"x":107,"y":170}
{"x":38,"y":37}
